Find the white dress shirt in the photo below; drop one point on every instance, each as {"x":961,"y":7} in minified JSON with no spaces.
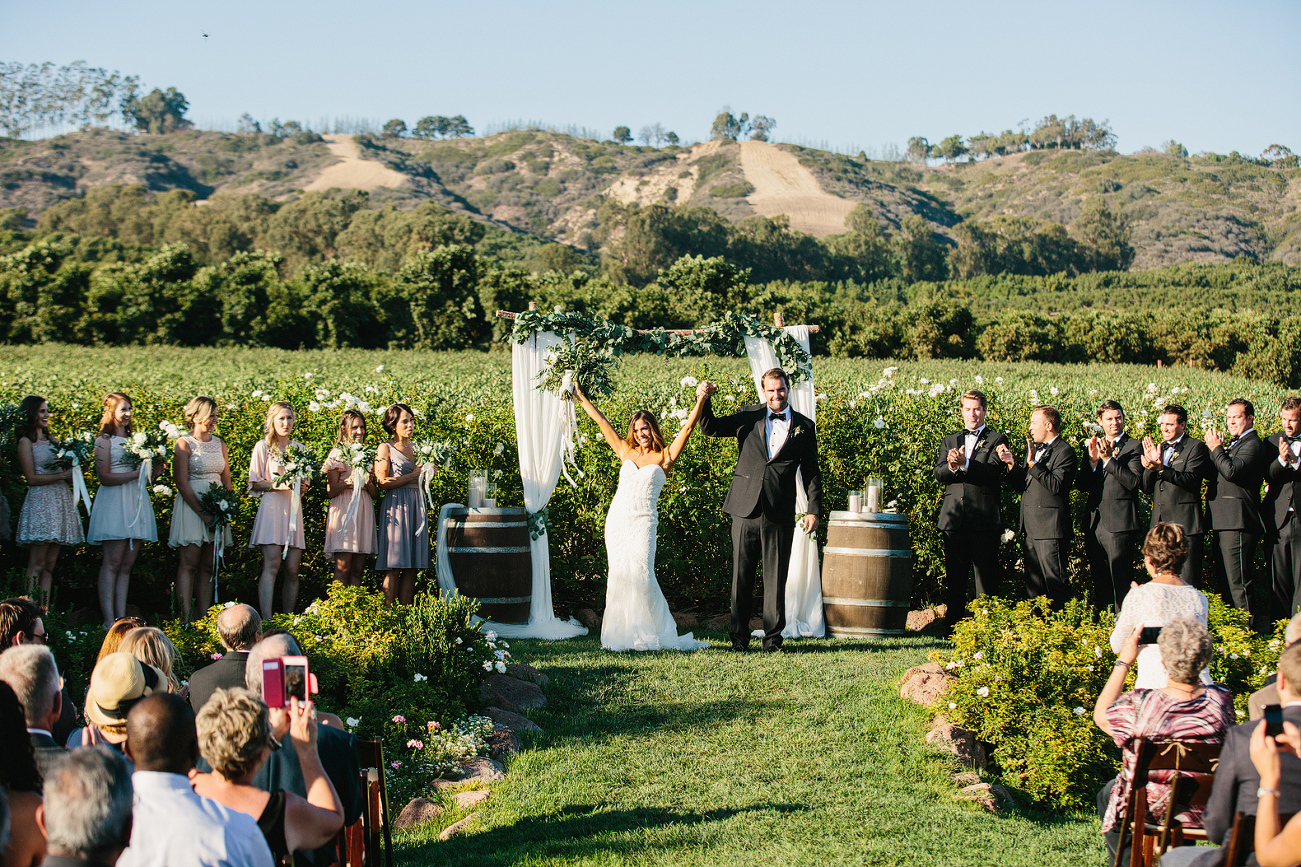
{"x":776,"y":430}
{"x":1115,"y":447}
{"x":969,"y":444}
{"x":1296,"y":452}
{"x":174,"y":827}
{"x":1168,"y":453}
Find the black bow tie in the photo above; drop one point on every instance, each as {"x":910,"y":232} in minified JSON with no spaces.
{"x":1170,"y":446}
{"x":774,"y":416}
{"x":971,"y":433}
{"x":1295,"y":439}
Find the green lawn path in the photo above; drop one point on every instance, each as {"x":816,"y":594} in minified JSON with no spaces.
{"x":713,"y":758}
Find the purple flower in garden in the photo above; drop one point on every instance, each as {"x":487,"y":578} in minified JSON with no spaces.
{"x":216,"y":656}
{"x":395,"y":765}
{"x":399,"y":719}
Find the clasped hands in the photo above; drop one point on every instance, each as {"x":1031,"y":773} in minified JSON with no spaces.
{"x":1100,"y":449}
{"x":1151,"y":454}
{"x":705,"y":389}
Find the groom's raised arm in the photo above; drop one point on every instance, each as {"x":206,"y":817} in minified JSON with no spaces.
{"x":710,"y":424}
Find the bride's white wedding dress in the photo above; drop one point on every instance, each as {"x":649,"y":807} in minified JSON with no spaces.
{"x":637,"y":616}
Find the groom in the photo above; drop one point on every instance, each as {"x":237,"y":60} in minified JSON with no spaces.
{"x":773,"y":443}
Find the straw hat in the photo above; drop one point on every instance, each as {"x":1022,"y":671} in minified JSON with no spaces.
{"x":119,"y":681}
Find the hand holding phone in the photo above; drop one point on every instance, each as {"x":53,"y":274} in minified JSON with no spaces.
{"x":284,"y":678}
{"x":1273,"y":720}
{"x":1149,"y":635}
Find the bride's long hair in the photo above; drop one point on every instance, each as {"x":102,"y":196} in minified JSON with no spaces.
{"x":657,"y":438}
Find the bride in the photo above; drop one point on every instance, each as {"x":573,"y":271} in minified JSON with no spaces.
{"x":636,"y":615}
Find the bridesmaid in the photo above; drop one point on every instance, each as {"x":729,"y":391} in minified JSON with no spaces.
{"x":350,"y":543}
{"x":403,"y":523}
{"x":271,"y":527}
{"x":122,"y":517}
{"x":49,"y":516}
{"x":201,"y":461}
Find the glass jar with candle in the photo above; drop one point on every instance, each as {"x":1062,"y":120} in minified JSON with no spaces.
{"x":875,"y":492}
{"x":855,"y":501}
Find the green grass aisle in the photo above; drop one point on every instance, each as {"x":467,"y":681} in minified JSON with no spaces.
{"x":711,"y":758}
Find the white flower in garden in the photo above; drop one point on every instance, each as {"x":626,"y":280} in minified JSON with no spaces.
{"x":853,"y":404}
{"x":490,"y":635}
{"x":469,"y":416}
{"x":266,"y":398}
{"x":313,"y":406}
{"x":162,"y":491}
{"x":1240,"y":713}
{"x":1034,"y":394}
{"x":730,"y":398}
{"x":822,"y":396}
{"x":501,"y":667}
{"x":257,"y":392}
{"x":1089,"y":667}
{"x":307,"y":376}
{"x":998,"y":380}
{"x":1151,"y":387}
{"x":1052,"y":390}
{"x":977,"y":655}
{"x":924,"y":381}
{"x":352,"y":721}
{"x":487,"y":666}
{"x":1097,"y":651}
{"x":420,"y":678}
{"x":889,"y":371}
{"x":1233,"y":656}
{"x":1079,"y":711}
{"x":370,"y":389}
{"x":980,"y":380}
{"x":953,"y":663}
{"x":1007,"y":536}
{"x":878,"y":423}
{"x":230,"y":604}
{"x":458,"y":640}
{"x":689,"y":382}
{"x":498,"y":449}
{"x":983,"y":692}
{"x":953,"y":381}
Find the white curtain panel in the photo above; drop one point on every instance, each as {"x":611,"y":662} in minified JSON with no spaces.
{"x":804,"y":579}
{"x":544,"y":428}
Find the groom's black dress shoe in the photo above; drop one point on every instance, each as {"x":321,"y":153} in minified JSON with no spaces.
{"x":739,"y":648}
{"x":773,"y":648}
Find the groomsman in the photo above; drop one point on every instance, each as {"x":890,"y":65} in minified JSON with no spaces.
{"x":1280,"y":510}
{"x":1045,"y":486}
{"x":1172,"y":473}
{"x":1233,"y":498}
{"x":1111,"y":474}
{"x":972,"y":475}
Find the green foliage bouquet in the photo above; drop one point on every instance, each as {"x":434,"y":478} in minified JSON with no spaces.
{"x":221,"y":503}
{"x":147,"y":447}
{"x":581,"y":363}
{"x":297,"y":464}
{"x":75,"y":451}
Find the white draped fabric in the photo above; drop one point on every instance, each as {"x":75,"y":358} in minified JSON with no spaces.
{"x":544,"y":428}
{"x":804,"y":578}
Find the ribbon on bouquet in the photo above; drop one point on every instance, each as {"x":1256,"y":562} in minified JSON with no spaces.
{"x":218,"y":550}
{"x":79,"y":492}
{"x":571,"y":431}
{"x":142,"y":496}
{"x":295,"y":509}
{"x":358,"y":482}
{"x":425,"y":484}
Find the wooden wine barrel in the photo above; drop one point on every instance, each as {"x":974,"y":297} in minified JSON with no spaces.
{"x":488,"y":550}
{"x":866,"y":574}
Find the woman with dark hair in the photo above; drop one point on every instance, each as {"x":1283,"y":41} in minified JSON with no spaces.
{"x":21,"y":782}
{"x":403,"y":523}
{"x":49,"y":516}
{"x":637,"y":616}
{"x":349,"y":529}
{"x":1163,"y":599}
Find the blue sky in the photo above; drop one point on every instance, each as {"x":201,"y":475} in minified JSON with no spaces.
{"x":1215,"y":76}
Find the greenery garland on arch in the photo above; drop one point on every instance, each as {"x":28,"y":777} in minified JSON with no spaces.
{"x":724,"y":337}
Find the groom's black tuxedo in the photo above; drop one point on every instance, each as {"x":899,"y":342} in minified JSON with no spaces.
{"x":761,"y":501}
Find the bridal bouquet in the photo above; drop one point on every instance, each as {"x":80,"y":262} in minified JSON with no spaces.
{"x":145,"y":447}
{"x":222,"y":503}
{"x":578,"y":362}
{"x":72,"y":454}
{"x":360,"y":460}
{"x":434,"y":452}
{"x":297,"y":464}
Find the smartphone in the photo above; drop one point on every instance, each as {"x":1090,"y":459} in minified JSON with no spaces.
{"x":1149,"y":635}
{"x":285,"y":678}
{"x":1273,"y":720}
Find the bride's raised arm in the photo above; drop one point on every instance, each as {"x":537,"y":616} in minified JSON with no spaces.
{"x":607,"y":430}
{"x":680,"y":441}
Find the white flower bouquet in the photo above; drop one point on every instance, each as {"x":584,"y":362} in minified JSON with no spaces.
{"x":147,"y":447}
{"x":76,"y":450}
{"x":297,"y":464}
{"x":221,"y":503}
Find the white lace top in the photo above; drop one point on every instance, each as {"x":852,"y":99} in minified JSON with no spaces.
{"x":1155,"y":604}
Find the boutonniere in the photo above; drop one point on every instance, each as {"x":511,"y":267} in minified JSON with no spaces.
{"x":796,"y":431}
{"x":980,"y":444}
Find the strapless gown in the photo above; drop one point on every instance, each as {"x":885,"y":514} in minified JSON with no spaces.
{"x":637,"y":616}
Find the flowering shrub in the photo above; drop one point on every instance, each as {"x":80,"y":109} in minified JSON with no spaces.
{"x":1026,"y":679}
{"x":431,"y":750}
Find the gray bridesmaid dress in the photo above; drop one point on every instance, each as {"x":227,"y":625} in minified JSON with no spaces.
{"x":403,"y":526}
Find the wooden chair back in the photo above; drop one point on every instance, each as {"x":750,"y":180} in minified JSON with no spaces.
{"x":1242,"y":840}
{"x":369,"y":841}
{"x":1194,"y":765}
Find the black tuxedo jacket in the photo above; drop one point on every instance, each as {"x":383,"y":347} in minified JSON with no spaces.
{"x":1233,"y":495}
{"x":1236,"y":781}
{"x":48,"y":753}
{"x":1177,"y":489}
{"x":1046,"y":492}
{"x":1112,"y":489}
{"x":1282,"y":488}
{"x":225,"y":673}
{"x":971,"y":494}
{"x":760,"y":485}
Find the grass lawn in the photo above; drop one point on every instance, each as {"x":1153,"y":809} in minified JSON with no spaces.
{"x":710,"y":758}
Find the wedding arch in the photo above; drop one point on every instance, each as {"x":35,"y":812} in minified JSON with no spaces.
{"x":545,"y":424}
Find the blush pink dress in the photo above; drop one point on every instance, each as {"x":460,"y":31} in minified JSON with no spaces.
{"x":271,"y":526}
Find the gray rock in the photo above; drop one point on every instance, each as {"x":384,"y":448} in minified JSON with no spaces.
{"x":465,"y":800}
{"x":524,"y":671}
{"x":456,"y":827}
{"x":476,"y":770}
{"x":919,"y":620}
{"x":685,"y":620}
{"x":512,"y":721}
{"x":417,"y":812}
{"x":503,"y":742}
{"x":925,"y":684}
{"x":589,"y":618}
{"x":509,"y":693}
{"x":962,"y":743}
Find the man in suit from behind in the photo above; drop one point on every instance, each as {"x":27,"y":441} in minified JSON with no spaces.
{"x":239,"y":627}
{"x":1268,"y":694}
{"x":1045,"y":486}
{"x":1279,"y":510}
{"x":1111,"y":475}
{"x":1173,"y":472}
{"x":776,"y":448}
{"x":1233,"y":499}
{"x":31,"y":673}
{"x":1237,"y":781}
{"x":972,"y":473}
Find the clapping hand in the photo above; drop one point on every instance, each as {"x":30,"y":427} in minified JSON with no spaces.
{"x":1151,"y":454}
{"x":1094,"y":447}
{"x":1284,"y":449}
{"x":955,"y":458}
{"x":1213,"y":439}
{"x":1005,"y":455}
{"x":1029,"y":452}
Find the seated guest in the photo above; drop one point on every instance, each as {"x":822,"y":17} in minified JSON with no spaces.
{"x":239,"y":627}
{"x":21,"y":782}
{"x":117,"y":683}
{"x":236,"y":733}
{"x":1268,"y":694}
{"x":32,"y":675}
{"x":337,"y":749}
{"x":116,"y":632}
{"x":172,"y":826}
{"x":1275,"y":847}
{"x":1183,"y":710}
{"x":87,"y":812}
{"x":21,"y":623}
{"x":1163,"y":599}
{"x":150,"y":645}
{"x":1236,"y":777}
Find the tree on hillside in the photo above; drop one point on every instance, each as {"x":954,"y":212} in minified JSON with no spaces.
{"x":729,"y":128}
{"x":952,"y":148}
{"x":458,"y":126}
{"x":430,"y":127}
{"x":43,"y":96}
{"x":1106,"y":235}
{"x":1280,"y":157}
{"x":159,"y":111}
{"x":760,"y":127}
{"x":1172,"y":148}
{"x":246,"y":125}
{"x":922,"y":257}
{"x":622,"y":134}
{"x":919,"y":150}
{"x":395,"y":128}
{"x":672,"y":138}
